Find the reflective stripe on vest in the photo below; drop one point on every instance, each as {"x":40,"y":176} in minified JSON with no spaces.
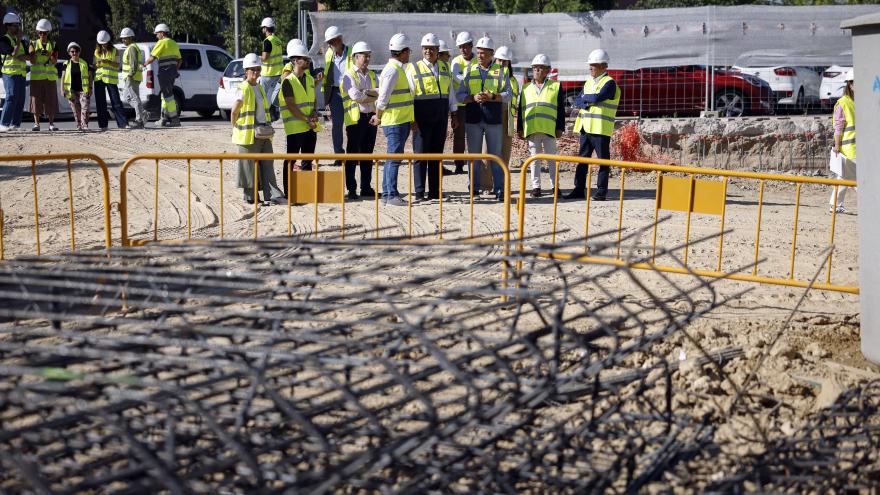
{"x":42,"y":68}
{"x":328,"y":64}
{"x":304,"y":98}
{"x":514,"y":89}
{"x":166,"y":52}
{"x":464,"y":67}
{"x":12,"y":66}
{"x":539,"y":108}
{"x":494,"y":80}
{"x":131,"y":57}
{"x":275,"y":63}
{"x":848,"y":140}
{"x":351,"y":107}
{"x":399,"y":109}
{"x":599,"y":118}
{"x":426,"y":82}
{"x":104,"y":72}
{"x":83,"y":72}
{"x":243,"y":131}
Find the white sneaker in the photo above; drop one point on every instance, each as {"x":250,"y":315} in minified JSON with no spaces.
{"x":396,"y":201}
{"x":52,"y":127}
{"x":839,"y":209}
{"x":4,"y":128}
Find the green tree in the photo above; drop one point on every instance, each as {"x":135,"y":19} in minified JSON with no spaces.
{"x":252,"y":13}
{"x":193,"y":21}
{"x":32,"y":11}
{"x":124,"y":13}
{"x":436,"y":6}
{"x":542,"y":6}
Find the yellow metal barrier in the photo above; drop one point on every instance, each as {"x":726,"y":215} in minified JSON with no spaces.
{"x":69,"y":158}
{"x":690,"y":195}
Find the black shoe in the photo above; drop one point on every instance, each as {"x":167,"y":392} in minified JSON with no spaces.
{"x":338,"y":163}
{"x":250,"y":201}
{"x":419,"y":196}
{"x":499,"y":196}
{"x":458,"y":170}
{"x":446,"y":171}
{"x":352,"y":196}
{"x":598,"y":197}
{"x":536,"y":192}
{"x":576,"y":194}
{"x":368,"y":193}
{"x":433,"y":196}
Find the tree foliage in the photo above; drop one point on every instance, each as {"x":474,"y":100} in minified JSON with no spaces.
{"x":252,"y":13}
{"x":32,"y":11}
{"x":193,"y":21}
{"x":438,"y":6}
{"x":123,"y":13}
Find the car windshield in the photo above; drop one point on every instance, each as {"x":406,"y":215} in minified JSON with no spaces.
{"x":234,"y":69}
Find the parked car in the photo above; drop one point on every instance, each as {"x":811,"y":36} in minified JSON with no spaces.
{"x":63,"y":106}
{"x":833,"y":82}
{"x":793,"y":86}
{"x":232,"y":77}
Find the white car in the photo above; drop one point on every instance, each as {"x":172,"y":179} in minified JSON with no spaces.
{"x":794,"y":86}
{"x":833,"y":82}
{"x":63,"y":106}
{"x":232,"y":77}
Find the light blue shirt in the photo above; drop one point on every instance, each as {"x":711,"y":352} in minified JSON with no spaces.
{"x":339,"y":64}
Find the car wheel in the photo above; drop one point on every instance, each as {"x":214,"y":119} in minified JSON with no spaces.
{"x":729,"y":103}
{"x":799,"y":103}
{"x":224,"y":114}
{"x":205,"y":113}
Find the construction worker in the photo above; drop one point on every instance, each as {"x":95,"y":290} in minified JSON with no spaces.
{"x":504,"y":58}
{"x":107,"y":65}
{"x":273,"y":61}
{"x":360,"y":88}
{"x":14,"y":70}
{"x":484,"y":90}
{"x":461,"y":64}
{"x":132,"y":60}
{"x":541,"y":119}
{"x":44,"y":94}
{"x":395,"y":113}
{"x":337,"y":60}
{"x":76,"y":86}
{"x":595,"y":123}
{"x":845,"y":139}
{"x":249,"y":112}
{"x":299,"y":110}
{"x":443,"y":54}
{"x":434,"y":102}
{"x":167,"y":53}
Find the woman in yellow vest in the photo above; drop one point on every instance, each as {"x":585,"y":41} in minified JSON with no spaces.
{"x":14,"y":69}
{"x":845,"y":139}
{"x":504,"y":58}
{"x":107,"y":82}
{"x":299,"y":109}
{"x":76,"y":86}
{"x":541,"y":119}
{"x":44,"y":77}
{"x":250,"y":116}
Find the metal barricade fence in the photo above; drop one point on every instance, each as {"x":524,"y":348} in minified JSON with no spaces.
{"x":690,"y":195}
{"x":70,"y":159}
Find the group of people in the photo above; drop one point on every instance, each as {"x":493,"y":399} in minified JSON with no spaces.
{"x":81,"y":80}
{"x":475,"y":93}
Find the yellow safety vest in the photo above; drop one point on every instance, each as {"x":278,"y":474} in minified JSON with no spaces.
{"x":275,"y":63}
{"x":399,"y":109}
{"x":351,"y":107}
{"x":494,"y":80}
{"x":83,"y":72}
{"x":848,"y":140}
{"x":131,"y":57}
{"x":464,"y":67}
{"x":599,"y":118}
{"x":104,"y":72}
{"x":166,"y":52}
{"x":42,"y":68}
{"x":11,"y":65}
{"x":426,"y":84}
{"x":243,"y":132}
{"x":304,"y":99}
{"x":514,"y":89}
{"x":329,"y":82}
{"x":539,"y":108}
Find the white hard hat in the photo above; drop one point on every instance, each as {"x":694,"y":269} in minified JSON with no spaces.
{"x":43,"y":25}
{"x":360,"y":47}
{"x":297,"y":51}
{"x":268,"y":22}
{"x":398,"y":42}
{"x":11,"y":18}
{"x":103,"y":37}
{"x":850,"y":75}
{"x":504,"y":53}
{"x":598,"y":56}
{"x":444,"y":48}
{"x":251,"y":60}
{"x":162,"y":28}
{"x":332,"y":32}
{"x":292,"y":43}
{"x":463,"y":38}
{"x":126,"y":33}
{"x":541,"y":59}
{"x":73,"y":44}
{"x":486,"y":43}
{"x":430,"y":39}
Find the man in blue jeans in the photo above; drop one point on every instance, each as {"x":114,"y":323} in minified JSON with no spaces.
{"x":395,"y":113}
{"x":14,"y":70}
{"x":337,"y":61}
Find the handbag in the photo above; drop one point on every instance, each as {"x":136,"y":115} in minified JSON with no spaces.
{"x":264,"y":131}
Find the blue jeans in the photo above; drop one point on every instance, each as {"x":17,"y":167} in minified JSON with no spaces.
{"x":13,"y":107}
{"x":338,"y":118}
{"x":493,"y":135}
{"x":101,"y":103}
{"x":396,"y":136}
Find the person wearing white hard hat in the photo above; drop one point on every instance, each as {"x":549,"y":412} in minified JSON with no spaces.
{"x":595,"y":124}
{"x":541,"y":119}
{"x":167,"y":53}
{"x":14,"y":70}
{"x":443,"y":53}
{"x":273,"y":61}
{"x":431,"y":80}
{"x":76,"y":84}
{"x":107,"y":65}
{"x":337,"y":60}
{"x":504,"y":58}
{"x":44,"y":77}
{"x":484,"y":90}
{"x":461,"y":64}
{"x":844,"y":141}
{"x":132,"y":60}
{"x":360,"y":88}
{"x":288,"y":67}
{"x":252,"y":131}
{"x":299,"y":110}
{"x":395,"y":113}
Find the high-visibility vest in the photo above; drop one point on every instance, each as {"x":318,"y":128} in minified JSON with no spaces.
{"x":514,"y":89}
{"x":83,"y":72}
{"x":464,"y":67}
{"x":426,"y":84}
{"x":539,"y":110}
{"x":11,"y":65}
{"x":166,"y":52}
{"x":104,"y":72}
{"x":351,"y":107}
{"x":494,"y":79}
{"x":304,"y":99}
{"x":399,"y":109}
{"x":599,"y":118}
{"x":243,"y":132}
{"x":42,"y":68}
{"x":848,"y":140}
{"x":273,"y":65}
{"x":131,"y":57}
{"x":329,"y":82}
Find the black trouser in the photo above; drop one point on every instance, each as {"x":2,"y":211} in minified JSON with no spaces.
{"x":101,"y":104}
{"x":432,"y":119}
{"x":302,"y":142}
{"x":602,"y":146}
{"x":360,"y":138}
